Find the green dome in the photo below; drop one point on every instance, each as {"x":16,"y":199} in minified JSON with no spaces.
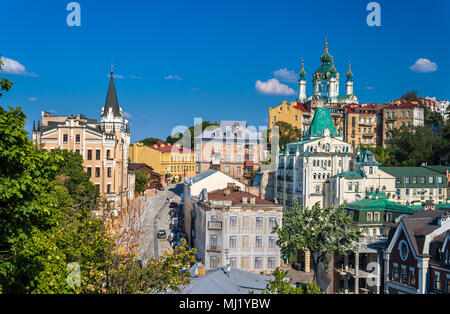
{"x":349,"y":73}
{"x":302,"y":72}
{"x":326,"y":57}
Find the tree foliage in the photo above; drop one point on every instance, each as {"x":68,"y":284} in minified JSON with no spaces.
{"x":287,"y":133}
{"x":141,"y":181}
{"x":279,"y":285}
{"x":150,"y":141}
{"x":5,"y":85}
{"x":187,"y":138}
{"x":49,"y":218}
{"x":320,"y":231}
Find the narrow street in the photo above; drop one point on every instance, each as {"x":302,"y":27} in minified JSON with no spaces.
{"x":154,"y":217}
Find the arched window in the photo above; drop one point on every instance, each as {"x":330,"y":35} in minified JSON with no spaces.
{"x":315,"y":176}
{"x":329,"y":163}
{"x":350,"y":186}
{"x":317,"y":189}
{"x":314,"y":162}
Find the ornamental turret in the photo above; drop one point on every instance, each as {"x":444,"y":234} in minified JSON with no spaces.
{"x":302,"y":84}
{"x":349,"y":83}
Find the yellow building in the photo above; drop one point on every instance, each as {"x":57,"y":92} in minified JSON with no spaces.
{"x":165,"y":159}
{"x":294,"y":113}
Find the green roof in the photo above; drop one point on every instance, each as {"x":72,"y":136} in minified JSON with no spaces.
{"x":322,"y":120}
{"x":380,"y":204}
{"x":414,"y":175}
{"x":441,"y":169}
{"x":349,"y":175}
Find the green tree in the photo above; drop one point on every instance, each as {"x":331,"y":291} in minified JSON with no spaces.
{"x":381,"y":153}
{"x":5,"y":85}
{"x":410,"y":96}
{"x":141,"y":181}
{"x":287,"y":132}
{"x":150,"y":141}
{"x":281,"y":286}
{"x":320,"y":231}
{"x":187,"y":138}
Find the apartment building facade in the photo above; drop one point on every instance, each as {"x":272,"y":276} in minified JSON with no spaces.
{"x":104,"y":146}
{"x":167,"y":159}
{"x":415,"y":185}
{"x":399,"y":114}
{"x":360,"y":125}
{"x":233,"y":148}
{"x":234,"y":228}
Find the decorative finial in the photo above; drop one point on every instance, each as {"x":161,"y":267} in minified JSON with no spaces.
{"x":112,"y":68}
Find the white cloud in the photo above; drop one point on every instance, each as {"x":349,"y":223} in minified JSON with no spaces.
{"x":285,"y":75}
{"x":11,"y":66}
{"x":173,"y":77}
{"x":424,"y":65}
{"x":127,"y":115}
{"x":32,"y":99}
{"x":117,"y":76}
{"x":136,"y":77}
{"x":273,"y":87}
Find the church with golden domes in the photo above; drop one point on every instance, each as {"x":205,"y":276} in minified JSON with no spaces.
{"x":325,"y":84}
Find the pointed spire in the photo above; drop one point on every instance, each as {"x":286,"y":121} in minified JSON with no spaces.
{"x":111,"y":98}
{"x":34,"y":126}
{"x":302,"y":71}
{"x":349,"y":73}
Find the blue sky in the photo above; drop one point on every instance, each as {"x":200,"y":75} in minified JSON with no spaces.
{"x":215,"y":52}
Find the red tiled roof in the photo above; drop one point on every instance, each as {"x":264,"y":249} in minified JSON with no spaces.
{"x":300,"y":106}
{"x":236,"y":198}
{"x":168,"y":148}
{"x":401,"y":104}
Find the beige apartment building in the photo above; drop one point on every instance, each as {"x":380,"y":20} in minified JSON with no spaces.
{"x":233,"y":148}
{"x":399,"y":114}
{"x":104,"y":146}
{"x":234,"y":228}
{"x":360,"y":125}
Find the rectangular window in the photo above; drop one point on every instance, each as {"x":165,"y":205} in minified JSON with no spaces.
{"x":97,"y":154}
{"x":271,"y":262}
{"x":422,"y":180}
{"x":272,"y":222}
{"x":233,"y":262}
{"x":232,"y":241}
{"x":437,"y":281}
{"x":412,"y":276}
{"x":227,"y":158}
{"x":258,"y":262}
{"x":108,"y":188}
{"x":77,"y":138}
{"x":404,"y":275}
{"x":407,"y":180}
{"x":213,"y":262}
{"x":439,"y":179}
{"x":258,"y":241}
{"x":430,"y":180}
{"x":238,"y":170}
{"x":376,"y":216}
{"x":395,"y":274}
{"x":369,"y":216}
{"x":407,"y":191}
{"x":272,"y":241}
{"x":414,"y":180}
{"x":259,"y":222}
{"x":233,"y":221}
{"x":97,"y":172}
{"x":108,"y":153}
{"x":227,"y":169}
{"x":397,"y":180}
{"x":77,"y":151}
{"x":89,"y":171}
{"x":65,"y":138}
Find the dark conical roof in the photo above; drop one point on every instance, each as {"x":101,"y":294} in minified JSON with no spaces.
{"x":111,"y":99}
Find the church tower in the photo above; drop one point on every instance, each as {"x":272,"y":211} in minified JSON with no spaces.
{"x":302,"y":84}
{"x":349,"y":83}
{"x":112,"y":116}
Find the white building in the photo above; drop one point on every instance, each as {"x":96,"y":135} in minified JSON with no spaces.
{"x":304,"y":166}
{"x":234,"y":228}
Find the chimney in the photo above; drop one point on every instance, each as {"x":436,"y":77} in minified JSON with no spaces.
{"x":230,"y":185}
{"x":244,"y":200}
{"x":252,"y":200}
{"x":226,"y":192}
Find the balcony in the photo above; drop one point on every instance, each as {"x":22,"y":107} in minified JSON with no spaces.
{"x":281,"y":166}
{"x":214,"y":225}
{"x":289,"y":178}
{"x":368,"y":134}
{"x":290,"y":166}
{"x":214,"y":248}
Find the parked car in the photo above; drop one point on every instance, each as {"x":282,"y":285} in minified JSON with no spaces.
{"x":159,"y":187}
{"x":173,"y":204}
{"x":161,"y":234}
